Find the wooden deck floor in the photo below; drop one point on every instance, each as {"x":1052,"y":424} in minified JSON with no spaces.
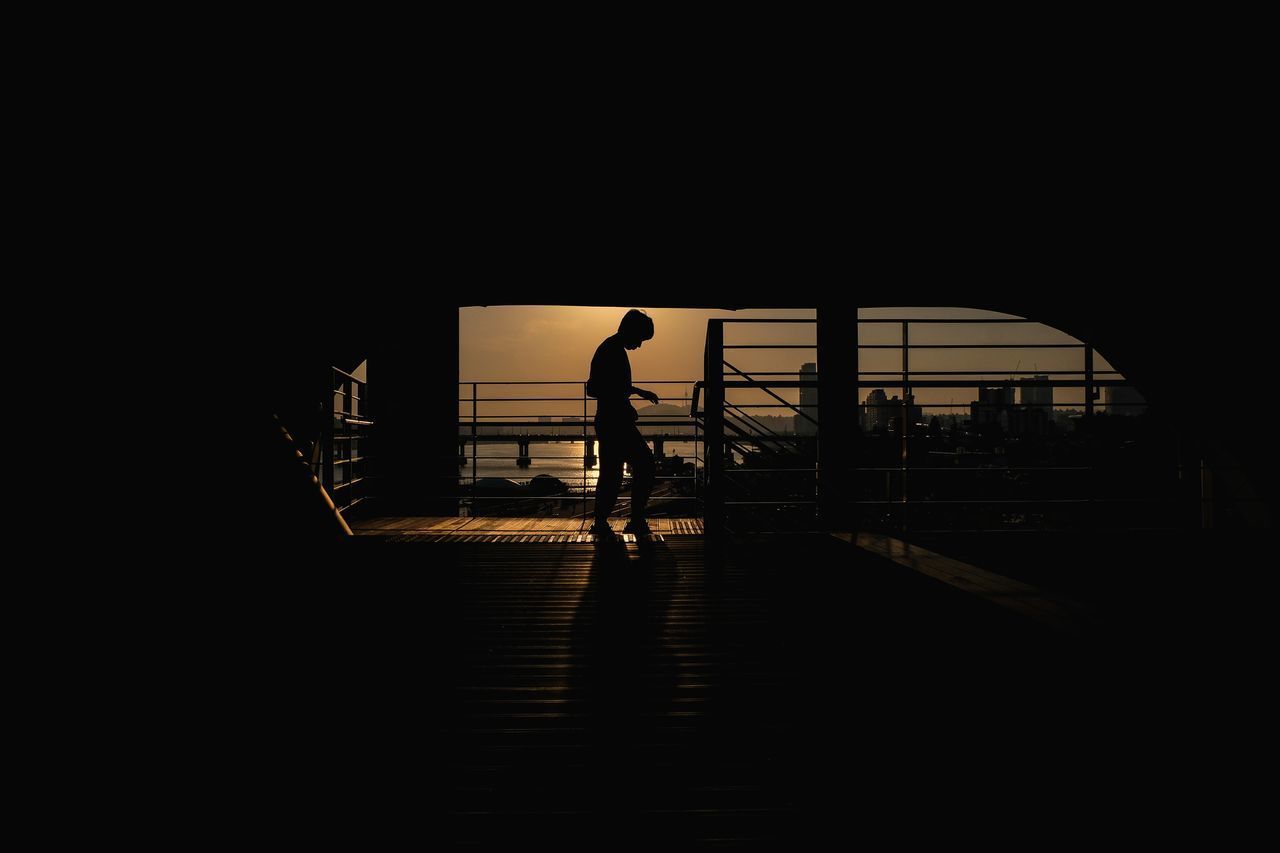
{"x":778,"y":689}
{"x":684,"y":690}
{"x":788,"y":689}
{"x":497,"y":529}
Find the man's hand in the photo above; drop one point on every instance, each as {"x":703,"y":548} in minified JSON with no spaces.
{"x":647,"y":395}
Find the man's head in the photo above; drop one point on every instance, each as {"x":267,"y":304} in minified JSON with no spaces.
{"x":636,"y":327}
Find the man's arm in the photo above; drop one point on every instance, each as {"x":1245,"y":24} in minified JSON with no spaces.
{"x":647,"y":395}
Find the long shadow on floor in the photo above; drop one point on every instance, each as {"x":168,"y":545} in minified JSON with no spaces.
{"x":625,"y":674}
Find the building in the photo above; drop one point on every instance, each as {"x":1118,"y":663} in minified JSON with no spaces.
{"x":1040,"y":396}
{"x":875,"y":412}
{"x":1027,"y":420}
{"x":883,"y":412}
{"x":915,"y":414}
{"x":1124,"y":400}
{"x":992,"y":406}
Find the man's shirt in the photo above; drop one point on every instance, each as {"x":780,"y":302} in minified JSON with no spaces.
{"x":610,"y":381}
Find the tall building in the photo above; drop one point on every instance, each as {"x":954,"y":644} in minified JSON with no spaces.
{"x":992,"y":405}
{"x":999,"y":395}
{"x":894,"y":414}
{"x":1038,"y":395}
{"x":1124,"y":400}
{"x":808,"y":401}
{"x":875,"y":414}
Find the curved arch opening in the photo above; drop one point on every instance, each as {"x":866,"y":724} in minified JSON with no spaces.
{"x":980,"y":421}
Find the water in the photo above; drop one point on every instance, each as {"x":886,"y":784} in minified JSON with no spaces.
{"x":566,"y":463}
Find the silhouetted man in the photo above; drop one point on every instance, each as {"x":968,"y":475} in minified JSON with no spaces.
{"x":620,"y":440}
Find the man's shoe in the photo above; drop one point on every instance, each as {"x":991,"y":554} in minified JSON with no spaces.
{"x":639,"y":528}
{"x":603,"y":531}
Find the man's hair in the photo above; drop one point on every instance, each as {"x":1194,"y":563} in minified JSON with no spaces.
{"x":635,"y":323}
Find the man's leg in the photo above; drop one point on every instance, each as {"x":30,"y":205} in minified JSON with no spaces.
{"x":610,"y":480}
{"x":643,"y":472}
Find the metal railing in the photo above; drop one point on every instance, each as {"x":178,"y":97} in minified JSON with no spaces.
{"x":1003,"y":464}
{"x":341,"y":458}
{"x":1025,"y":469}
{"x":774,"y":484}
{"x":502,"y":413}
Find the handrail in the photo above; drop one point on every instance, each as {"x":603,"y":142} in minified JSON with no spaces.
{"x":523,"y":424}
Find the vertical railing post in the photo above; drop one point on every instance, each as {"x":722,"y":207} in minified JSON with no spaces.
{"x":713,"y":436}
{"x":1090,"y":508}
{"x":326,"y":434}
{"x":475,"y":443}
{"x":586,"y":448}
{"x":697,"y":442}
{"x":903,"y":418}
{"x":1088,"y":383}
{"x":366,"y":468}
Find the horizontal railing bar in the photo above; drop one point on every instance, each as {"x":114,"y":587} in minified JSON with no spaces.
{"x":764,"y":320}
{"x":648,"y":419}
{"x":474,"y":478}
{"x":991,"y":383}
{"x":574,"y":436}
{"x":575,"y":458}
{"x":1030,"y":531}
{"x":942,"y":372}
{"x":1024,"y":501}
{"x":347,"y":483}
{"x":577,"y":455}
{"x":746,"y":383}
{"x":758,"y":438}
{"x":935,"y":383}
{"x":345,"y":507}
{"x":980,"y":372}
{"x":915,"y":470}
{"x":570,"y":458}
{"x":770,"y":346}
{"x":492,"y":420}
{"x":577,"y":382}
{"x":973,"y":346}
{"x":577,"y":497}
{"x":1056,"y":404}
{"x":672,"y":438}
{"x":538,"y":399}
{"x":943,"y":320}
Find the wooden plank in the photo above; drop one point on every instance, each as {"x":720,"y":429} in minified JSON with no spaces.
{"x":535,"y":529}
{"x":1030,"y":601}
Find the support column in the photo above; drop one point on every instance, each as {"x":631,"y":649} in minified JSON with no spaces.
{"x":837,"y":416}
{"x":414,"y":365}
{"x":713,"y":385}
